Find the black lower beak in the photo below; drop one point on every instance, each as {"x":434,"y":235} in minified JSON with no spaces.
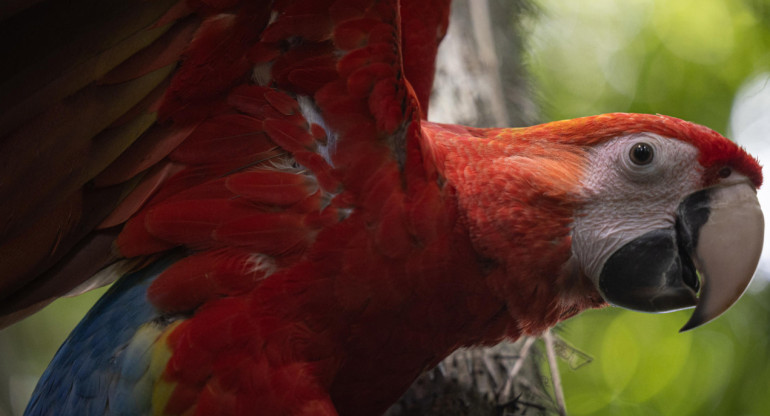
{"x":718,"y":231}
{"x":651,"y":273}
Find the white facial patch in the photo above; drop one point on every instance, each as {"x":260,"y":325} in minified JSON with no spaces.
{"x":626,"y":198}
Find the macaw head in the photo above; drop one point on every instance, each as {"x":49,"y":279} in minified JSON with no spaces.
{"x":671,"y":213}
{"x":649,"y":212}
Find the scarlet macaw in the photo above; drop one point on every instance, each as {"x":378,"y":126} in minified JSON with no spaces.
{"x":294,"y":238}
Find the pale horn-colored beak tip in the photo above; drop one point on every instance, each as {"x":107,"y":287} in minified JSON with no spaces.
{"x":727,"y":251}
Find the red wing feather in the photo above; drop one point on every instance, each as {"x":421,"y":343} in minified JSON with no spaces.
{"x":216,"y":126}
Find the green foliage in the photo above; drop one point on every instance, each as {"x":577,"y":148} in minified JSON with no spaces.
{"x":684,"y":58}
{"x":643,"y":366}
{"x":28,"y":346}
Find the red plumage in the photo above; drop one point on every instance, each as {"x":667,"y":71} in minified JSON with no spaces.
{"x":328,"y":232}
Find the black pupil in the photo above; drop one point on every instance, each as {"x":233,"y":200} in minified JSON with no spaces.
{"x":641,"y":153}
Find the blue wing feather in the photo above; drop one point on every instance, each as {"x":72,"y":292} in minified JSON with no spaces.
{"x":100,"y":368}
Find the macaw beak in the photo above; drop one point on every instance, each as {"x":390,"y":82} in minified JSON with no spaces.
{"x":718,"y":233}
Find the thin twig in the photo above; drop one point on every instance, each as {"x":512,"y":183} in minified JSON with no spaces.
{"x":557,"y":390}
{"x":505,"y":392}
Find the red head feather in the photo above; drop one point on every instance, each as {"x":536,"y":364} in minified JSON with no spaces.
{"x":716,"y":151}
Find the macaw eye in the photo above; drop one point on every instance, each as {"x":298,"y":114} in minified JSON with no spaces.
{"x":641,"y":154}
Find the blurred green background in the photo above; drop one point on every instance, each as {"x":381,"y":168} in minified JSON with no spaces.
{"x":685,"y":58}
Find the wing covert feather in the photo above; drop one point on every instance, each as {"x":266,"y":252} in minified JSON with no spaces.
{"x":176,"y":95}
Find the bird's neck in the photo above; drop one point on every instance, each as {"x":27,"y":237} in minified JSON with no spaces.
{"x":517,"y":197}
